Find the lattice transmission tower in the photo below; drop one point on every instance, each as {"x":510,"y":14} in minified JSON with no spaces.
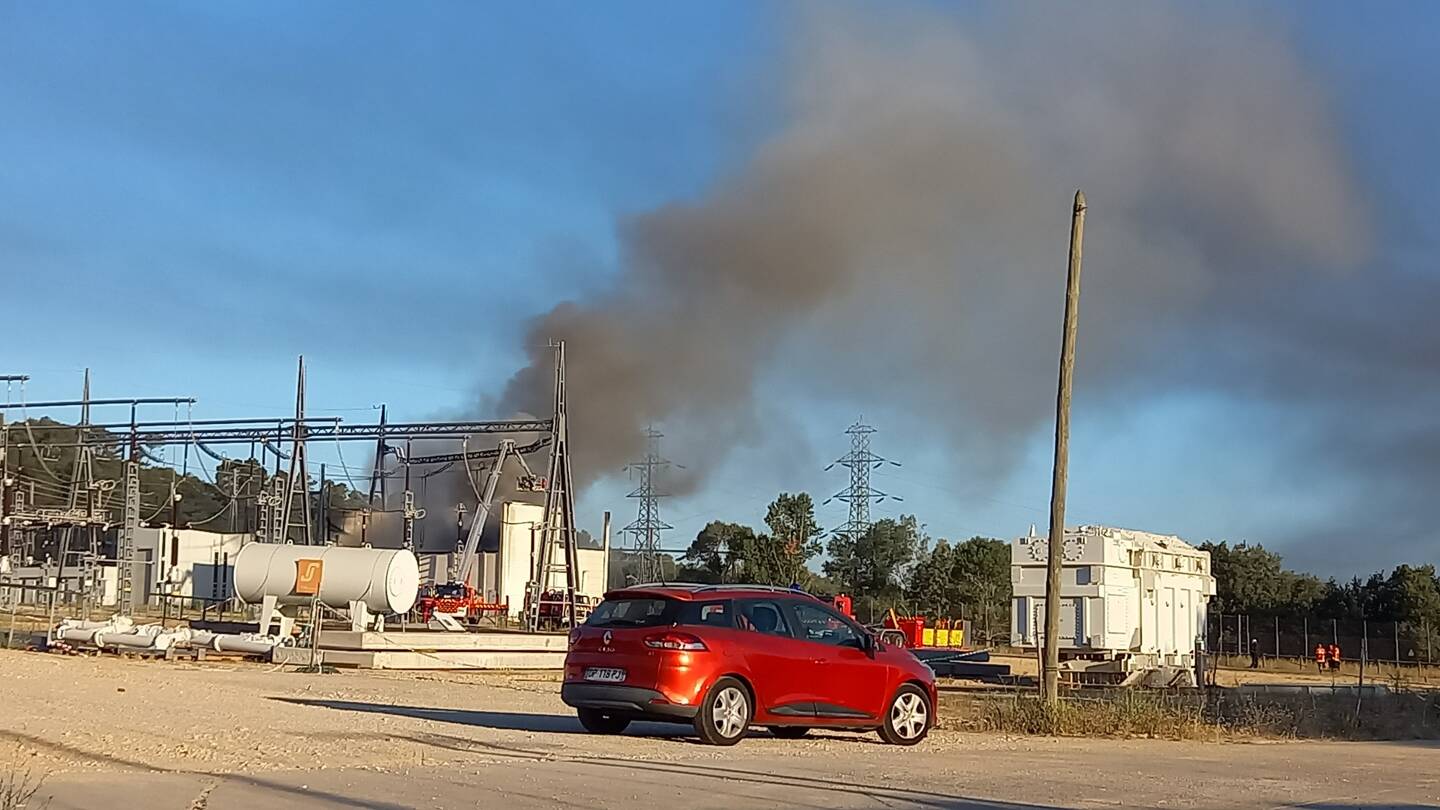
{"x":861,"y":460}
{"x":647,"y":526}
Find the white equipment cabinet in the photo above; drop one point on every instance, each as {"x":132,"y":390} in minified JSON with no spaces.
{"x":1133,"y":600}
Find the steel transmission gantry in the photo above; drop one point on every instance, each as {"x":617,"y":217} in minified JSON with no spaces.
{"x":558,"y":533}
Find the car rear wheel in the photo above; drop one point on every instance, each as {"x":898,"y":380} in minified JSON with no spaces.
{"x":908,"y":719}
{"x":725,"y":714}
{"x":598,"y":722}
{"x":789,"y":732}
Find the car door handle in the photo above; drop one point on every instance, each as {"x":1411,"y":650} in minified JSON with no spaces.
{"x":818,"y":660}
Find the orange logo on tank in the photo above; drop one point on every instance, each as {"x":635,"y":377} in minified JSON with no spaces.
{"x":307,"y":576}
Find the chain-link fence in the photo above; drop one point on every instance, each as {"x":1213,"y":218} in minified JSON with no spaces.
{"x":1382,"y":642}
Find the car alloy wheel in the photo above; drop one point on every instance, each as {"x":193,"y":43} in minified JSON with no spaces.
{"x":725,"y":715}
{"x":908,"y":720}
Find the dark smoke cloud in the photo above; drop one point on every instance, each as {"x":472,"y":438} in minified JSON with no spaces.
{"x":906,"y":225}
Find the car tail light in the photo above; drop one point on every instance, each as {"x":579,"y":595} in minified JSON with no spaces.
{"x":675,"y":641}
{"x":574,"y":637}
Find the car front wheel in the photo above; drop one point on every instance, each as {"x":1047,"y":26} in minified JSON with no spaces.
{"x":598,"y":722}
{"x":725,"y":714}
{"x":908,"y":719}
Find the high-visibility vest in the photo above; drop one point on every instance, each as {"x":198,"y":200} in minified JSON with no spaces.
{"x":1320,"y":653}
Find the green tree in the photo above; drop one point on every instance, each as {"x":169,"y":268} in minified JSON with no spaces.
{"x":763,"y":560}
{"x":873,"y":564}
{"x":716,"y":551}
{"x":929,"y":587}
{"x":793,"y":540}
{"x":980,"y":570}
{"x":1416,"y":593}
{"x":1343,"y":600}
{"x":1250,"y":579}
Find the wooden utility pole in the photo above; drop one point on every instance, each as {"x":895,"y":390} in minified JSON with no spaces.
{"x":1051,"y":676}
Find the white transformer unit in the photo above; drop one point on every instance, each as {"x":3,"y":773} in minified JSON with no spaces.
{"x":1133,"y":598}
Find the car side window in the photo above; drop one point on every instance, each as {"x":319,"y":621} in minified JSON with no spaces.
{"x":711,"y":614}
{"x":763,"y":616}
{"x":818,"y":624}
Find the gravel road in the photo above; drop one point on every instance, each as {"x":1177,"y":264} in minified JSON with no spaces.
{"x":113,"y":733}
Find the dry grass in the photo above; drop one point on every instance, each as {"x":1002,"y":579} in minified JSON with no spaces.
{"x":1131,"y":713}
{"x":18,"y":789}
{"x":1397,"y":716}
{"x":1214,"y":715}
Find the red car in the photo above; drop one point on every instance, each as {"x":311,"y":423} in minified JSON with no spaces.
{"x":725,"y":657}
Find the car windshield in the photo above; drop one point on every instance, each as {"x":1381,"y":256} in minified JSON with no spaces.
{"x":634,"y":612}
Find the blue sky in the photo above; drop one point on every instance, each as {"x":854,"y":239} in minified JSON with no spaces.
{"x":193,"y":194}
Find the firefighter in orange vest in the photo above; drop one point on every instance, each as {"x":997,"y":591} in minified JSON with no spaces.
{"x":1333,"y":653}
{"x":1320,"y":657}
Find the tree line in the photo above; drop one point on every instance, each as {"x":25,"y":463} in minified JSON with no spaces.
{"x":1252,"y":580}
{"x":893,"y":564}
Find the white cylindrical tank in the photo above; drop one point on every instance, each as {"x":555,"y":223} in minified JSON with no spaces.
{"x":386,"y":580}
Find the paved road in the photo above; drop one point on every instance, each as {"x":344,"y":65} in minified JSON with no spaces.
{"x":1033,"y":775}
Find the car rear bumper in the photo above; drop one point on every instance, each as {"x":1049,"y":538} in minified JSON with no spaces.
{"x":616,"y":697}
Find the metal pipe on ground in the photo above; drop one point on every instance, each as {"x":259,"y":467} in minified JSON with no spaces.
{"x":150,"y":636}
{"x":248,"y":643}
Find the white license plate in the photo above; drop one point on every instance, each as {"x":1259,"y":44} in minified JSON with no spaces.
{"x":606,"y":674}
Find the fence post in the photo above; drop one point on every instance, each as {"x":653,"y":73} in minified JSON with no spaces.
{"x":1305,"y":647}
{"x":225,"y":583}
{"x":1334,"y":634}
{"x":1397,"y":648}
{"x":1364,"y":653}
{"x":1364,"y":644}
{"x":1277,"y":637}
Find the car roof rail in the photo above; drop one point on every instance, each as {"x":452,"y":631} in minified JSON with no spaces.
{"x":700,"y":587}
{"x":738,"y":586}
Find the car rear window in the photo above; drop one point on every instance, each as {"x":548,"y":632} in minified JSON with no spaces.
{"x":658,"y":611}
{"x":637,"y":612}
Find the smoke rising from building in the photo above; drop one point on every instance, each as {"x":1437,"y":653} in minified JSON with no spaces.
{"x":906,"y":225}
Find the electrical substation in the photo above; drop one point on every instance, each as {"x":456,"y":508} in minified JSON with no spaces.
{"x":296,"y":577}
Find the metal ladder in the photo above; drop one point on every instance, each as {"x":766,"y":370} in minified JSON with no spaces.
{"x":126,"y":551}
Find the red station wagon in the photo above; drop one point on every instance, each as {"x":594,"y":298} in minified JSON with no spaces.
{"x":725,"y":657}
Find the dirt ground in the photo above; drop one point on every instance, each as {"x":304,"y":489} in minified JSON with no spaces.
{"x":110,"y":732}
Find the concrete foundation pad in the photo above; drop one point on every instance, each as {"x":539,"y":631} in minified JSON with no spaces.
{"x":438,"y":640}
{"x":424,"y":659}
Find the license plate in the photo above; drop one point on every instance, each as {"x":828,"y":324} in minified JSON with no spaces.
{"x":606,"y":674}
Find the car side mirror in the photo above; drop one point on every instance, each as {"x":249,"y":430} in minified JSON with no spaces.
{"x":869,"y":645}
